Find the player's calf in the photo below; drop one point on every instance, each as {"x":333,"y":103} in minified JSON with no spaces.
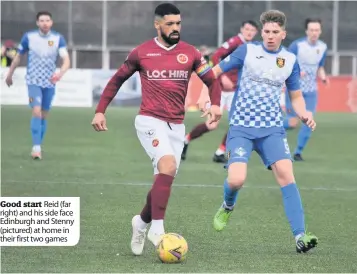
{"x":36,"y":128}
{"x":283,"y":172}
{"x":160,"y":194}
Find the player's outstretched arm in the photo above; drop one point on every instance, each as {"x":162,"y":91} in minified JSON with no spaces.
{"x":130,"y":66}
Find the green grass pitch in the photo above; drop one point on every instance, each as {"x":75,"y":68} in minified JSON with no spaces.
{"x":112,"y":174}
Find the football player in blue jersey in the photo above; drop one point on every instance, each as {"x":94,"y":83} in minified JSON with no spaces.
{"x":256,"y":121}
{"x":311,"y":54}
{"x":43,"y":46}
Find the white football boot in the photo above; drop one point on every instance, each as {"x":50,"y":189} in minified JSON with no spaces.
{"x":138,"y":237}
{"x":154,"y":237}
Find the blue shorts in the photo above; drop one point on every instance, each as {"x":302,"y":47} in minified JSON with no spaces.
{"x":270,"y":143}
{"x":40,"y":97}
{"x":310,"y":101}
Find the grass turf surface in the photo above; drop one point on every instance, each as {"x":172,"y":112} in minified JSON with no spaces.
{"x":112,"y":174}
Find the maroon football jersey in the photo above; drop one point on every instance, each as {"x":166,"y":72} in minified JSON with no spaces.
{"x":164,"y":73}
{"x":226,"y":49}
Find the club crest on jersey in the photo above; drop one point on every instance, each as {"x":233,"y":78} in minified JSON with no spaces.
{"x":182,"y":58}
{"x":280,"y":62}
{"x":155,"y":142}
{"x":317,"y":51}
{"x":50,"y":43}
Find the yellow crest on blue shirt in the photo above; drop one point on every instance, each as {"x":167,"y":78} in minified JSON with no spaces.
{"x":280,"y":62}
{"x":50,"y":43}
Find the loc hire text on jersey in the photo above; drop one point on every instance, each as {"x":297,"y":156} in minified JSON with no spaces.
{"x":167,"y":74}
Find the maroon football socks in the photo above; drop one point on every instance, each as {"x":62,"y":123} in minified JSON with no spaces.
{"x":197,"y":132}
{"x":157,"y":198}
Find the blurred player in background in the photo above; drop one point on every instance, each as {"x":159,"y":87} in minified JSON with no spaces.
{"x":311,"y":54}
{"x":206,"y":53}
{"x":228,"y":80}
{"x":165,"y":65}
{"x":256,"y":121}
{"x":43,"y":47}
{"x":8,"y":53}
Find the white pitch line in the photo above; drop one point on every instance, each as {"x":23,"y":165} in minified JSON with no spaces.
{"x":178,"y":185}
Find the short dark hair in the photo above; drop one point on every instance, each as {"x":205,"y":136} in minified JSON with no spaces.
{"x":250,"y":22}
{"x":166,"y":9}
{"x":312,"y":20}
{"x":273,"y":16}
{"x":40,"y":13}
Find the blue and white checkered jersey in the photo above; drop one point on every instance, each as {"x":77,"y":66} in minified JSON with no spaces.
{"x":310,"y":58}
{"x":43,"y":51}
{"x":261,"y":77}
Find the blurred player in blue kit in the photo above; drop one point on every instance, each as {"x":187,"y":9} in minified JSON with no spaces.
{"x":43,"y":47}
{"x":311,"y":54}
{"x":256,"y":121}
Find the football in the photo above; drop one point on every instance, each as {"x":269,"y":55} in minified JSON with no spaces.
{"x":172,"y":248}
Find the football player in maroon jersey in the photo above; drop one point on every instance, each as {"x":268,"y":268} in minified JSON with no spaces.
{"x":165,"y":65}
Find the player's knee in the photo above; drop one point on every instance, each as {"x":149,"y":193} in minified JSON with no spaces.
{"x":237,"y":174}
{"x":167,"y":165}
{"x":44,"y":114}
{"x":36,"y":112}
{"x":212,"y":126}
{"x":283,"y":172}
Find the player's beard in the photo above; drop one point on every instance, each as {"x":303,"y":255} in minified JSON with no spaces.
{"x":170,"y":40}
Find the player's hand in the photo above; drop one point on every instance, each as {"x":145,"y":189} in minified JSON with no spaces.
{"x":308,"y":119}
{"x":56,"y":77}
{"x":99,"y":122}
{"x":214,"y":113}
{"x":203,"y":103}
{"x":326,"y":81}
{"x":302,"y":74}
{"x":8,"y":80}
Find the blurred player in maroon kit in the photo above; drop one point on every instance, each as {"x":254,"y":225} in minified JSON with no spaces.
{"x":165,"y":65}
{"x":228,"y":81}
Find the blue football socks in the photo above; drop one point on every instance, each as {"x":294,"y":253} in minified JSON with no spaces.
{"x":36,"y":130}
{"x":230,"y":195}
{"x":43,"y":128}
{"x":293,"y":208}
{"x":303,"y":137}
